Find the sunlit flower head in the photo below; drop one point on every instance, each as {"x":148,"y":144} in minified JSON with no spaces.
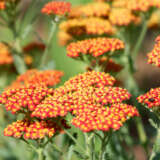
{"x":94,"y":47}
{"x":56,"y":8}
{"x":94,"y":9}
{"x":34,"y":129}
{"x":141,"y":5}
{"x":87,"y":26}
{"x":122,"y":17}
{"x":154,"y":55}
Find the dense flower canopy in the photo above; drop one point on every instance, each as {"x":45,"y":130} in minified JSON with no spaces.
{"x":86,"y":95}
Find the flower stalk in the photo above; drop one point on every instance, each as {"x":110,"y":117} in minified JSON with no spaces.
{"x":48,"y":44}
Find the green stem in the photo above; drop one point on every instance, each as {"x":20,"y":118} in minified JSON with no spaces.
{"x":46,"y":52}
{"x":141,"y":131}
{"x":140,"y":39}
{"x":104,"y":143}
{"x":57,"y":149}
{"x":83,"y":150}
{"x":29,"y":144}
{"x":89,"y":147}
{"x":18,"y":58}
{"x":156,"y":147}
{"x":41,"y":155}
{"x":17,"y":51}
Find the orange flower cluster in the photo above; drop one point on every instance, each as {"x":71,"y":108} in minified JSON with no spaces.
{"x":99,"y":18}
{"x":56,"y":8}
{"x":95,"y":47}
{"x":105,"y":119}
{"x":34,"y":130}
{"x":86,"y":97}
{"x":122,"y":17}
{"x":27,"y":92}
{"x":33,"y":76}
{"x":154,"y":56}
{"x":151,"y":98}
{"x":59,"y":103}
{"x":97,"y":9}
{"x":89,"y":26}
{"x":142,"y":5}
{"x":6,"y":57}
{"x":24,"y":98}
{"x":2,"y":5}
{"x":136,"y":5}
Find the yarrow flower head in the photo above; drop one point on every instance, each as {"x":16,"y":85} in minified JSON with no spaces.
{"x":142,"y":5}
{"x":122,"y":17}
{"x":60,"y":8}
{"x":94,"y":47}
{"x":33,"y":76}
{"x":86,"y":26}
{"x":24,"y":98}
{"x":94,"y":9}
{"x":151,"y":99}
{"x":154,"y":55}
{"x":34,"y":129}
{"x":87,"y":96}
